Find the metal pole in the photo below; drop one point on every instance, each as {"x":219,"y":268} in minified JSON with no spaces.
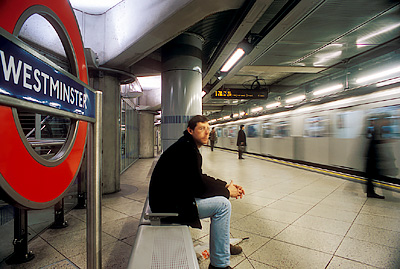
{"x":94,"y":189}
{"x":21,"y":253}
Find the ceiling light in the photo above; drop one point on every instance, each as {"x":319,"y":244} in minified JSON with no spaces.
{"x":257,"y":109}
{"x":150,"y":82}
{"x":276,"y":104}
{"x":226,"y":117}
{"x":329,"y":89}
{"x":384,"y":30}
{"x":94,"y":6}
{"x":232,"y":60}
{"x":236,"y":115}
{"x":203,"y":93}
{"x":296,"y":99}
{"x":379,"y":75}
{"x":388,"y":82}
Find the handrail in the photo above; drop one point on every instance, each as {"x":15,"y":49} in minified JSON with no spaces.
{"x":34,"y":129}
{"x":45,"y":142}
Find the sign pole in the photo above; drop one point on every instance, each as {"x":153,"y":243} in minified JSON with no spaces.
{"x":94,"y":189}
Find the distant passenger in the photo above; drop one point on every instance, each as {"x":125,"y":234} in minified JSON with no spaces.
{"x":178,"y":185}
{"x":241,"y":142}
{"x":213,"y":138}
{"x":380,"y":158}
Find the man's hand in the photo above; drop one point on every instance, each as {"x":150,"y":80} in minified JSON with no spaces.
{"x":235,"y":191}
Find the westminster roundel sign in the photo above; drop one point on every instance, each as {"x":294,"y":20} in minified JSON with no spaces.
{"x":29,"y":80}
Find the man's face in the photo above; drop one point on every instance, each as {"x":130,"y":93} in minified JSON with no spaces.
{"x":200,"y":133}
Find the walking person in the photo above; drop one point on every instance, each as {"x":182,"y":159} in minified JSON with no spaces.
{"x":241,"y":141}
{"x":213,"y":138}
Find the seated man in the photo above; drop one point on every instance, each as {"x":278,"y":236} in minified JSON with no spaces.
{"x":178,"y":185}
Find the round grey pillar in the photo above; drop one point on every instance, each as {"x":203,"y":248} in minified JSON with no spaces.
{"x":181,"y":85}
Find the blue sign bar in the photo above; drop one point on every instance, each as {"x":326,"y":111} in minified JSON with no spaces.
{"x":26,"y":77}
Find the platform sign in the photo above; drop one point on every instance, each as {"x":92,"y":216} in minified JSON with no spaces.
{"x":240,"y":94}
{"x":25,"y":76}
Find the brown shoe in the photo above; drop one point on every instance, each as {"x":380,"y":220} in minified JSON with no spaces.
{"x":213,"y":267}
{"x":235,"y":249}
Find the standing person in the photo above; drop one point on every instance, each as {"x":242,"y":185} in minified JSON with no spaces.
{"x":213,"y":138}
{"x":178,"y":185}
{"x":241,"y":141}
{"x":371,"y":167}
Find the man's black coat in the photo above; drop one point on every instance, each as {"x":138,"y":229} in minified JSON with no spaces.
{"x":178,"y":179}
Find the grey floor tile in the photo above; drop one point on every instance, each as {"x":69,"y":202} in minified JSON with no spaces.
{"x":293,"y":207}
{"x":302,"y":199}
{"x":131,"y":208}
{"x":321,"y":241}
{"x":269,"y":194}
{"x":369,"y":253}
{"x":64,"y":264}
{"x":378,"y":222}
{"x":116,"y":255}
{"x":331,"y":212}
{"x":240,"y":206}
{"x":285,"y":255}
{"x":259,"y":226}
{"x":338,"y":262}
{"x":121,"y":228}
{"x":276,"y":215}
{"x":251,"y":244}
{"x":375,"y":235}
{"x":254,"y":200}
{"x":254,"y":264}
{"x":44,"y":255}
{"x":323,"y":224}
{"x":110,"y":215}
{"x":382,"y":211}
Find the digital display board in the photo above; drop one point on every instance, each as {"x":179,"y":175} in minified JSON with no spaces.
{"x":240,"y":94}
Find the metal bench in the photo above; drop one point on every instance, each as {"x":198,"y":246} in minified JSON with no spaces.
{"x":162,"y":246}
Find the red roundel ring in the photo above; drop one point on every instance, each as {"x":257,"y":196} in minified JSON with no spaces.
{"x":30,"y":182}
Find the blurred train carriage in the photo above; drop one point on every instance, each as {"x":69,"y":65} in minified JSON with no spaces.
{"x":333,"y":134}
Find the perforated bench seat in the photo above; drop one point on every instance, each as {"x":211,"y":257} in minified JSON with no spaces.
{"x":163,"y":247}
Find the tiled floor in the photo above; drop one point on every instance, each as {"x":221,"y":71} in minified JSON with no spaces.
{"x":293,"y":218}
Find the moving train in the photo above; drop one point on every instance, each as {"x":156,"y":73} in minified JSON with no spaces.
{"x":332,"y":135}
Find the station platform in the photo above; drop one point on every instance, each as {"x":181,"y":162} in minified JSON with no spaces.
{"x":293,"y":216}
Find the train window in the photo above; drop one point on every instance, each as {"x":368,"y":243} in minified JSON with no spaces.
{"x":282,"y":129}
{"x":387,"y":119}
{"x":225,"y":132}
{"x":347,"y":123}
{"x":233,"y":131}
{"x":253,"y":130}
{"x":267,"y":130}
{"x":219,"y":132}
{"x":316,"y":126}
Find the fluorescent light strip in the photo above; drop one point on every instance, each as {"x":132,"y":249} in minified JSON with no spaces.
{"x":257,"y":109}
{"x":276,"y":104}
{"x":232,"y":60}
{"x":226,"y":117}
{"x":387,"y":29}
{"x":329,"y":89}
{"x":236,"y":115}
{"x":295,"y":99}
{"x":379,"y":75}
{"x":388,"y":82}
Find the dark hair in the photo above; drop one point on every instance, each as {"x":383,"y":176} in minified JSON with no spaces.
{"x":241,"y":126}
{"x":193,"y":121}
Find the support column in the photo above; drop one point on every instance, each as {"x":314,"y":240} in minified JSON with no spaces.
{"x":146,"y":135}
{"x":110,"y":87}
{"x":181,"y":85}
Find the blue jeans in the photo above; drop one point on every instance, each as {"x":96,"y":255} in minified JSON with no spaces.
{"x":218,"y":209}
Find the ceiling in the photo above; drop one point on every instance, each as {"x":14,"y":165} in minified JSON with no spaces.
{"x":289,"y":43}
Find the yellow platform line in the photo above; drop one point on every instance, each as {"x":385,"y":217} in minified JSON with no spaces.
{"x":315,"y":169}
